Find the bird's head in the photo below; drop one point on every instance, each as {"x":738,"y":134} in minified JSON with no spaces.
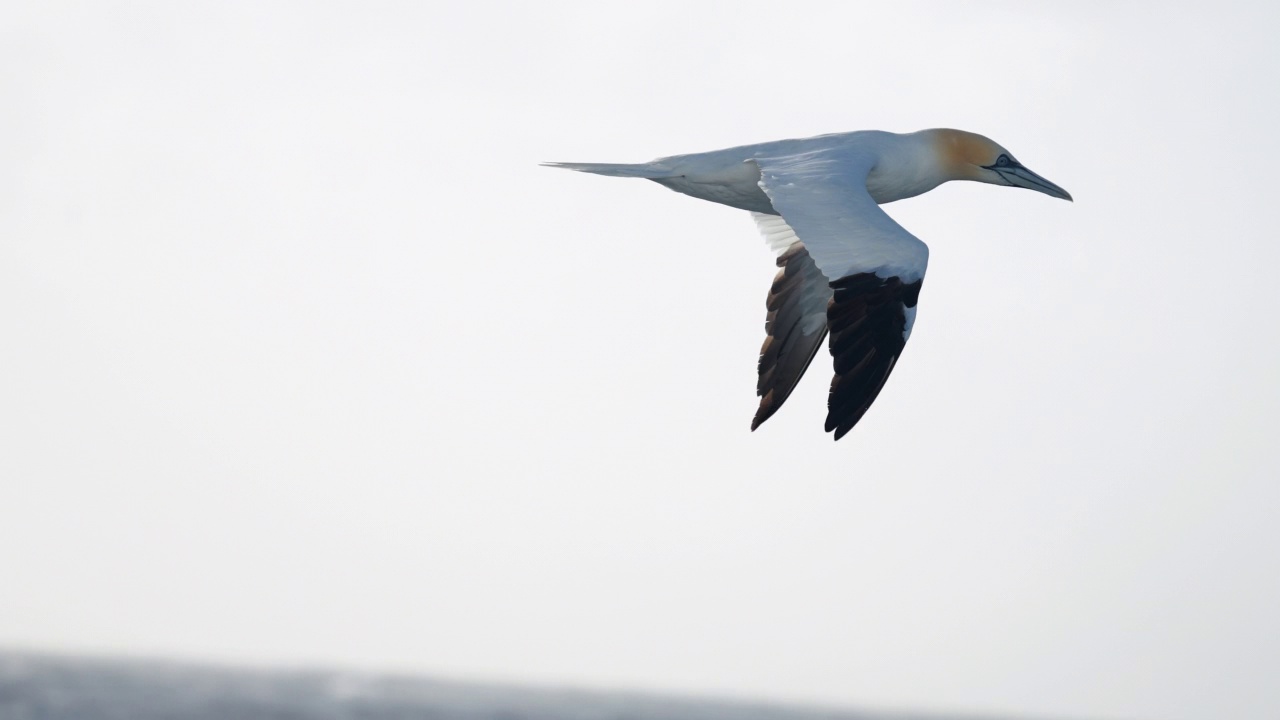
{"x":969,"y":156}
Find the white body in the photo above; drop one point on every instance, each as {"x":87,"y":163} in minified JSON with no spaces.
{"x":903,"y":166}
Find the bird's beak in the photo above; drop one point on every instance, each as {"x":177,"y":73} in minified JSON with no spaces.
{"x":1019,"y":176}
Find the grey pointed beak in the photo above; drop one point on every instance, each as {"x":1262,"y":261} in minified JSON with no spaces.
{"x":1019,"y":176}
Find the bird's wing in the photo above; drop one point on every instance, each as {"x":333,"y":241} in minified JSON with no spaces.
{"x":874,"y":266}
{"x":797,"y":320}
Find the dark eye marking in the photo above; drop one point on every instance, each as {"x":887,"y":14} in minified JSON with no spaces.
{"x":1004,"y":162}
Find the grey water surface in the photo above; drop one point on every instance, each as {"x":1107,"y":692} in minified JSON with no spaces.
{"x":48,"y":687}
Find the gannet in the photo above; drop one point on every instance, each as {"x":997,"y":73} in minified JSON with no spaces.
{"x":845,"y":266}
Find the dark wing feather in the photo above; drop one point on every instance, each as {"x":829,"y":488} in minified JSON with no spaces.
{"x":796,"y":326}
{"x":869,"y":321}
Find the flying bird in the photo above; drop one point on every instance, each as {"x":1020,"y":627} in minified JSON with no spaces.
{"x":846,"y":267}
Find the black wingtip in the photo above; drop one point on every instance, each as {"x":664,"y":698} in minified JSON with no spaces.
{"x":868,"y":322}
{"x":834,"y":426}
{"x":762,"y":414}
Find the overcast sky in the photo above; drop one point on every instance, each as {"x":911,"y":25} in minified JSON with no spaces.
{"x":305,"y":361}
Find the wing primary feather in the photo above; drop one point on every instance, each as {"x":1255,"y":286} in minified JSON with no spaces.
{"x":795,"y":328}
{"x":867,"y":317}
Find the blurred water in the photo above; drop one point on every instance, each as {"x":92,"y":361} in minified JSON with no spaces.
{"x":45,"y":687}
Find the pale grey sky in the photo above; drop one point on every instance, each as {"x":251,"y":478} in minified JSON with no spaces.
{"x":306,"y":361}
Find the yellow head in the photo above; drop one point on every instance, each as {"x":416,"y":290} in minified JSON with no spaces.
{"x":970,"y":156}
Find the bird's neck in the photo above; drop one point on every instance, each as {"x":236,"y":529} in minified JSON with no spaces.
{"x":909,"y":165}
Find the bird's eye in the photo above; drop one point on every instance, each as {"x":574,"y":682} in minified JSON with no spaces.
{"x":1003,"y":161}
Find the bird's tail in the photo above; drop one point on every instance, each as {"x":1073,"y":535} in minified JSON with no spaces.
{"x":641,"y":170}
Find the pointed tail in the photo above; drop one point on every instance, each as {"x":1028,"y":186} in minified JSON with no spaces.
{"x":642,"y":170}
